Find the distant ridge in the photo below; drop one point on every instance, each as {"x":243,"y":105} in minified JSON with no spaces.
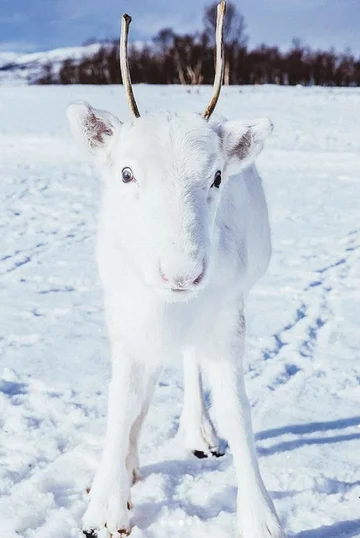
{"x":22,"y":69}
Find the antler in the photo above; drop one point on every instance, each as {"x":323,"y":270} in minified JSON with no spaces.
{"x":219,"y":69}
{"x":124,"y":65}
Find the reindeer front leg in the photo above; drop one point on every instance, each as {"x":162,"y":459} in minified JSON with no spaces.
{"x":256,"y":513}
{"x":195,"y":424}
{"x":110,"y":492}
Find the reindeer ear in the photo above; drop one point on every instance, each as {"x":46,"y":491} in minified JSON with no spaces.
{"x":91,"y":128}
{"x":243,"y":141}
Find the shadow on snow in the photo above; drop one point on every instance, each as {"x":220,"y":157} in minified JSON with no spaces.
{"x":343,"y":529}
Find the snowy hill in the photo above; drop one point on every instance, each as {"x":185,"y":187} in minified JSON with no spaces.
{"x":8,"y":57}
{"x":25,"y":68}
{"x":303,"y":342}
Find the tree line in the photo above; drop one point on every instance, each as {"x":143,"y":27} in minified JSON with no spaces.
{"x":171,"y":58}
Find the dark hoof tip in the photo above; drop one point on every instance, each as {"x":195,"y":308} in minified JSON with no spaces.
{"x":199,"y":454}
{"x":90,"y":534}
{"x":124,"y":532}
{"x":217,"y":454}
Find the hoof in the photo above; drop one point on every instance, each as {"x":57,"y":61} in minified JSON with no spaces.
{"x":93,"y":534}
{"x":217,"y":454}
{"x":122,"y":532}
{"x":90,"y":533}
{"x":200,"y":454}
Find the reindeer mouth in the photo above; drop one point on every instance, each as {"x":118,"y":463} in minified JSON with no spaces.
{"x":180,"y":289}
{"x":172,"y":295}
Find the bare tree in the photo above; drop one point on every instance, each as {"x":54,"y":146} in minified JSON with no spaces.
{"x":188,"y":54}
{"x":234,"y":25}
{"x":47,"y":75}
{"x":173,"y":58}
{"x":164,"y":40}
{"x":235,"y":37}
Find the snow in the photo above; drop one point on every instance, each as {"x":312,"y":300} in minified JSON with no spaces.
{"x":25,"y":68}
{"x":59,"y":55}
{"x":303,"y":349}
{"x":7,"y":57}
{"x":19,"y":69}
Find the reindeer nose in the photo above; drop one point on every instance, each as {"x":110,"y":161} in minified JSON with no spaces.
{"x":181,"y":283}
{"x":199,"y":278}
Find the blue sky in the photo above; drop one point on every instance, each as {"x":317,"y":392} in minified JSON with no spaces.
{"x":31,"y":25}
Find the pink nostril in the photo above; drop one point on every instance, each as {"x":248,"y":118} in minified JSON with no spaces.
{"x":198,"y":279}
{"x":181,"y":283}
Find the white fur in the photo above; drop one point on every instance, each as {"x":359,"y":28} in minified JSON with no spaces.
{"x":170,"y":223}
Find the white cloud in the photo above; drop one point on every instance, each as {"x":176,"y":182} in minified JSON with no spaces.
{"x":17,"y":46}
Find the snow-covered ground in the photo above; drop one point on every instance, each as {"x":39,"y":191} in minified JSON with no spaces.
{"x":303,"y":352}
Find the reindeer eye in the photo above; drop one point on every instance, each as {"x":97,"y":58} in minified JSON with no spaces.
{"x":217,"y":180}
{"x":127,"y":175}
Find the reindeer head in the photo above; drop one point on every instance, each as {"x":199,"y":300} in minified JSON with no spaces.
{"x":164,"y":177}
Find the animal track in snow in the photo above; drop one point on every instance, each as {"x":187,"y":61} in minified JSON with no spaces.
{"x":295,"y":344}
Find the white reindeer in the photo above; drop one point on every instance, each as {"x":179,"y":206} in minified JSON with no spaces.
{"x":183,"y":236}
